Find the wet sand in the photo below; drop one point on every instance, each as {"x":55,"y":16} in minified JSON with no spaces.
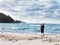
{"x":7,"y":38}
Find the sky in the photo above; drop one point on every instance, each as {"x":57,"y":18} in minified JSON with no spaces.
{"x":32,"y":11}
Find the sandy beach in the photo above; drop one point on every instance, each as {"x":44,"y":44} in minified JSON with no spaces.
{"x":7,"y":38}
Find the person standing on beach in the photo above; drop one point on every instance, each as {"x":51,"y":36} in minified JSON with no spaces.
{"x":42,"y":30}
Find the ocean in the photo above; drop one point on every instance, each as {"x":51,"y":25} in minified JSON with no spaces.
{"x":29,"y":28}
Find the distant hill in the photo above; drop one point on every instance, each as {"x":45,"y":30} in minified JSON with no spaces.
{"x":7,"y":19}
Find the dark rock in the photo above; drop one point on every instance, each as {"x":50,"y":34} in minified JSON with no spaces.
{"x":7,"y":19}
{"x":17,"y":21}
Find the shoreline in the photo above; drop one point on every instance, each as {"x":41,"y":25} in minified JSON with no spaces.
{"x":29,"y":39}
{"x":26,"y":35}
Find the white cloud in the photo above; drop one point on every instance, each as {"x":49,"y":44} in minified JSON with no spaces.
{"x":57,"y":12}
{"x":32,"y":10}
{"x":40,"y":20}
{"x":58,"y":1}
{"x":5,"y":12}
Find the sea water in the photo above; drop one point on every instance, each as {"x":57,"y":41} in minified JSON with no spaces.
{"x":29,"y":28}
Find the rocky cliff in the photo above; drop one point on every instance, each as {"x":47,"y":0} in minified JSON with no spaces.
{"x":6,"y":19}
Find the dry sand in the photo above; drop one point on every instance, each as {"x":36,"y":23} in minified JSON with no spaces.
{"x":7,"y":38}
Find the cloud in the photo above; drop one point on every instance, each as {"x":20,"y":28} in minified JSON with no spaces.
{"x":35,"y":10}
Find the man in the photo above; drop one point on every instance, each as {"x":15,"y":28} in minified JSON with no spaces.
{"x":42,"y":30}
